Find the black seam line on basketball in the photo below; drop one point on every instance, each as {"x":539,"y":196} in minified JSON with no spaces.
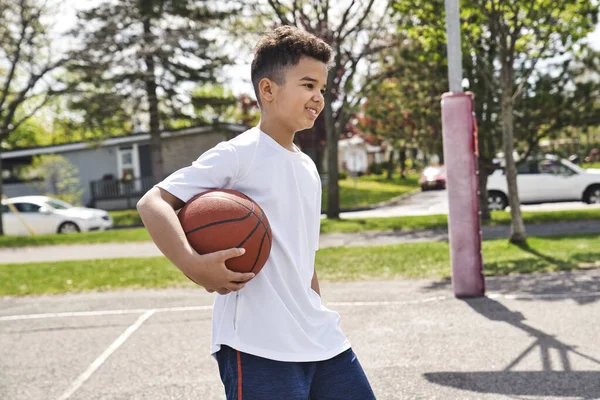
{"x":241,"y":204}
{"x":250,"y":234}
{"x":218,"y":223}
{"x":228,"y":220}
{"x":259,"y":251}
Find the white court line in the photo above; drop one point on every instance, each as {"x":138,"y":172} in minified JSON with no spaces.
{"x":330,"y":303}
{"x":385,"y":303}
{"x":542,"y":296}
{"x":101,"y":312}
{"x":104,"y":356}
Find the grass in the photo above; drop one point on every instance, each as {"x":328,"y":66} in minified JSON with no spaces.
{"x":591,"y":165}
{"x":431,"y":260}
{"x":441,"y":221}
{"x":411,"y":260}
{"x":371,"y":189}
{"x":119,"y":235}
{"x":327,"y":226}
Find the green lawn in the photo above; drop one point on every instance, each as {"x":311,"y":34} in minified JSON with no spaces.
{"x":117,"y":235}
{"x":591,"y":165}
{"x":441,"y":221}
{"x":371,"y":189}
{"x":327,"y":226}
{"x":412,"y":260}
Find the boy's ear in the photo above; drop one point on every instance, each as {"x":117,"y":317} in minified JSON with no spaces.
{"x":267,"y":89}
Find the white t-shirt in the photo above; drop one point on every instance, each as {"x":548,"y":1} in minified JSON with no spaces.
{"x":276,"y":315}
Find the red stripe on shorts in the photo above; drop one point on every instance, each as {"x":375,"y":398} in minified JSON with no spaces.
{"x":239,"y":363}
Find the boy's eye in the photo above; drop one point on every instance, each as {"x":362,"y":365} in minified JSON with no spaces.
{"x":309,"y":85}
{"x":323,"y":92}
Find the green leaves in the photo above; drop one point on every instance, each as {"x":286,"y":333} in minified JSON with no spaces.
{"x":120,"y":52}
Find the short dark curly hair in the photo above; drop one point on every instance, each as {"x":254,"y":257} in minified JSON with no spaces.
{"x":282,"y":48}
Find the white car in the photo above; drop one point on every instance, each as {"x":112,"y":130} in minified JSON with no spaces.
{"x":546,"y":180}
{"x":45,"y":215}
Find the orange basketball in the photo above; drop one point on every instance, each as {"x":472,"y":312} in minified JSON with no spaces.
{"x":224,"y":219}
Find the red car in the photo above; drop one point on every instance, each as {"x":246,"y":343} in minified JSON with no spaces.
{"x":433,"y":177}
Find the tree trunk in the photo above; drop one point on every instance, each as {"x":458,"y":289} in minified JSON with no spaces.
{"x":1,"y":195}
{"x":517,"y":234}
{"x":484,"y":172}
{"x":402,"y":158}
{"x":333,"y":195}
{"x":150,"y":81}
{"x":390,"y":166}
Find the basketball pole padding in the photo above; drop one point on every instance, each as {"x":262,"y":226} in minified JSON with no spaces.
{"x":464,"y":225}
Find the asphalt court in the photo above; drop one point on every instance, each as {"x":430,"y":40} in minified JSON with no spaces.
{"x":534,"y":337}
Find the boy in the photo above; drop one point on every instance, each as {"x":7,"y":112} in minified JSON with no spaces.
{"x":271,"y":336}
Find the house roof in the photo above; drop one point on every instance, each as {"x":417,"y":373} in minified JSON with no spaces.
{"x":114,"y":141}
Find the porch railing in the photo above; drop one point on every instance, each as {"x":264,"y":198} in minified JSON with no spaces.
{"x":114,"y":189}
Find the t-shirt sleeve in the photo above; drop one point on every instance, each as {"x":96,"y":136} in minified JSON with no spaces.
{"x":215,"y":169}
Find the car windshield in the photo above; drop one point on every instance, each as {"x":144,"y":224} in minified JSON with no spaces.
{"x":574,"y":167}
{"x":58,"y":204}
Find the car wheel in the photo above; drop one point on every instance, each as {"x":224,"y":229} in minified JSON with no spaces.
{"x":592,"y":195}
{"x":497,"y":201}
{"x":68,"y":227}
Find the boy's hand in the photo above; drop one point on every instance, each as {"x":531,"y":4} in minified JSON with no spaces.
{"x":209,"y":271}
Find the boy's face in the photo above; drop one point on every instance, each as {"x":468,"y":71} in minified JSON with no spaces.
{"x":299,"y":100}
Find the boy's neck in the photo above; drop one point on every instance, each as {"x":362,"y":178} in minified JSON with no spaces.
{"x":278,"y":132}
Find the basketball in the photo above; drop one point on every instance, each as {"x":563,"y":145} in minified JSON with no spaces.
{"x":223,"y":219}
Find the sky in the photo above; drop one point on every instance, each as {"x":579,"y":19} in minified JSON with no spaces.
{"x":236,"y":77}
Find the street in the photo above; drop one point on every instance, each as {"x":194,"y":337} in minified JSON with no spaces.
{"x":436,"y":202}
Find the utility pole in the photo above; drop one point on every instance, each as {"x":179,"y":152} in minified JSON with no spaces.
{"x":460,"y":154}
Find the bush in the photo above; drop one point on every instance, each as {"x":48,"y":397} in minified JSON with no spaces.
{"x":376,"y":168}
{"x":342,"y":175}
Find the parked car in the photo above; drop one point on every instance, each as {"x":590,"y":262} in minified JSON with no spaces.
{"x":46,"y":215}
{"x":546,"y":180}
{"x":433,"y":177}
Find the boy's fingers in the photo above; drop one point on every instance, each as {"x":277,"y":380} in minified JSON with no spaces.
{"x":241,"y":276}
{"x":235,"y":286}
{"x":230,"y":253}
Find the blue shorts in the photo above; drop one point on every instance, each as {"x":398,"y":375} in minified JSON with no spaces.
{"x":248,"y":377}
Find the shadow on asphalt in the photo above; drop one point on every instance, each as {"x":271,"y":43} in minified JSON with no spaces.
{"x":569,"y":280}
{"x":562,"y":381}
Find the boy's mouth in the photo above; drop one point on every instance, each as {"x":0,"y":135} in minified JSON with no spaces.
{"x":312,"y":111}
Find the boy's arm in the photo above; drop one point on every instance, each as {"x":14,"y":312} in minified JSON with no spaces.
{"x":314,"y":284}
{"x":157,"y":210}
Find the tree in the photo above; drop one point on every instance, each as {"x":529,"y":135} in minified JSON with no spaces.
{"x":405,"y":106}
{"x":561,"y":99}
{"x":136,"y":58}
{"x":25,"y":62}
{"x":356,"y":32}
{"x":57,"y":177}
{"x":30,"y":133}
{"x":503,"y":43}
{"x":525,"y":31}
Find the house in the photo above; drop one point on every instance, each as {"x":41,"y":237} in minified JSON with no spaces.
{"x":355,"y":154}
{"x":116,"y":172}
